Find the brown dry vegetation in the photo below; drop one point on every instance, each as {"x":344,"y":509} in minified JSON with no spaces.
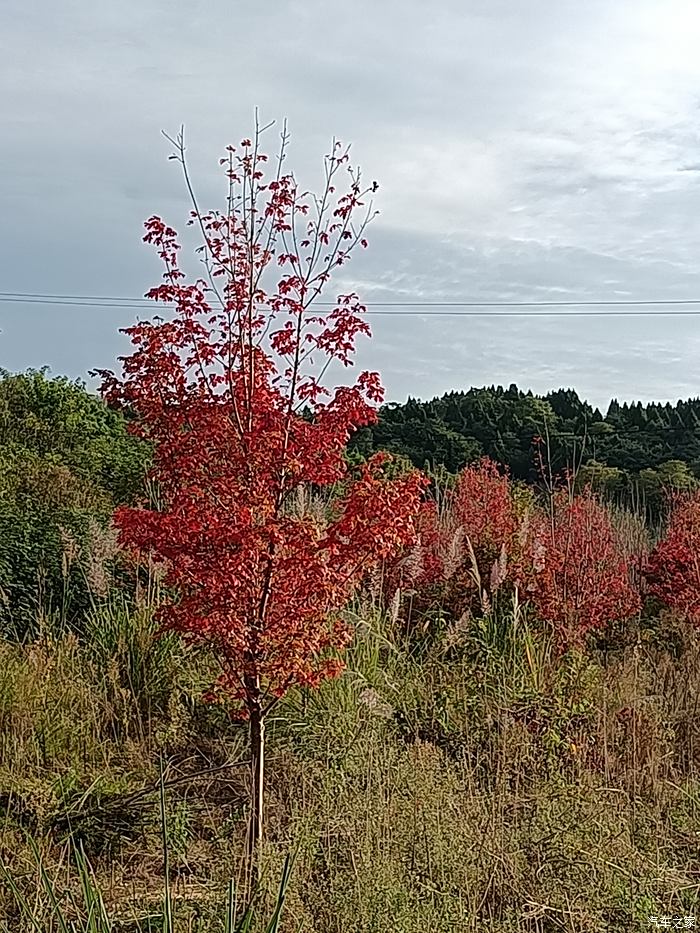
{"x":466,"y":779}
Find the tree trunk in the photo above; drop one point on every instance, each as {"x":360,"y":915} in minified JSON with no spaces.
{"x":257,"y":767}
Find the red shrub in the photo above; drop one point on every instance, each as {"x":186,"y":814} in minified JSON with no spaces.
{"x":483,"y":504}
{"x":485,"y":512}
{"x":465,"y":548}
{"x":569,"y":565}
{"x":673,"y":569}
{"x":481,"y":538}
{"x":421,"y":566}
{"x":577,"y":577}
{"x":428,"y":554}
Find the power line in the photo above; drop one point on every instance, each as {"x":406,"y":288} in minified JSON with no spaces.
{"x":465,"y":308}
{"x":429,"y":302}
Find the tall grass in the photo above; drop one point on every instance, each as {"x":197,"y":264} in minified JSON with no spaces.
{"x":79,"y":906}
{"x":133,"y":658}
{"x":469,"y":779}
{"x":58,"y":910}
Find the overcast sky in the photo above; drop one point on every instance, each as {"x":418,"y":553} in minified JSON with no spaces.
{"x":526,"y":150}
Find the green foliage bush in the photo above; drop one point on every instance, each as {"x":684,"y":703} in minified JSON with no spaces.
{"x":66,"y":461}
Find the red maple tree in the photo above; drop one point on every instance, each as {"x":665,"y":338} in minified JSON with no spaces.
{"x":673,"y":570}
{"x":230,"y":392}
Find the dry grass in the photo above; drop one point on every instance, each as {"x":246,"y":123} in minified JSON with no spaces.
{"x":476,"y":782}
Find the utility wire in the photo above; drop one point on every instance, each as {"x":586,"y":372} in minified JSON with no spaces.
{"x":466,"y":308}
{"x":427,"y":303}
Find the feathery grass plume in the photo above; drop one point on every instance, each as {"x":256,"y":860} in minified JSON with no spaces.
{"x":375,"y":703}
{"x":101,"y":548}
{"x":70,"y":550}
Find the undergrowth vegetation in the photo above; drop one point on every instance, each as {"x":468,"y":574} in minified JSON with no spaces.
{"x":470,"y":769}
{"x":461,"y":774}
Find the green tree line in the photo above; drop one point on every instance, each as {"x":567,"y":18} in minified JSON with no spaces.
{"x":632,"y":451}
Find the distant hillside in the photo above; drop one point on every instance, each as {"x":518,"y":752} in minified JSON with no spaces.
{"x":633,"y":446}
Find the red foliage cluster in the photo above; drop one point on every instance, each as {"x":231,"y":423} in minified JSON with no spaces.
{"x":484,"y":510}
{"x":577,"y":576}
{"x":465,"y":549}
{"x":420,"y":567}
{"x":673,"y":569}
{"x":566,"y":562}
{"x":429,"y":546}
{"x":484,"y":513}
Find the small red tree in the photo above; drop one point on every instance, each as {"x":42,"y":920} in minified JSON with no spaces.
{"x":484,"y":508}
{"x":419,"y":567}
{"x":673,"y":569}
{"x":576,"y":573}
{"x":230,"y":394}
{"x":482,"y":542}
{"x":466,"y":548}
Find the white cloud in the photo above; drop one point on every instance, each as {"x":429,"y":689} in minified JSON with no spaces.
{"x":523,"y":150}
